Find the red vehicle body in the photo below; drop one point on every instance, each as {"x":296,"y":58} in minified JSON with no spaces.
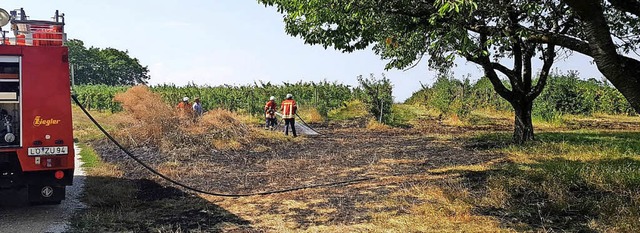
{"x":36,"y":132}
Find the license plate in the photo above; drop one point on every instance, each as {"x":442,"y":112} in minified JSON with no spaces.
{"x":52,"y":150}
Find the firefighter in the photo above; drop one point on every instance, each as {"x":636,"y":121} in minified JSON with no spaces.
{"x":270,"y":113}
{"x":184,"y":108}
{"x":197,"y":107}
{"x":288,"y":109}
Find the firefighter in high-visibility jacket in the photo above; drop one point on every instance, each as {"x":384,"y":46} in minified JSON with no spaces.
{"x":270,"y":113}
{"x":184,"y":108}
{"x":288,"y":109}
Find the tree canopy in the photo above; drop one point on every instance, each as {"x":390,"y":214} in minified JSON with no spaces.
{"x":105,"y":66}
{"x":490,"y":33}
{"x":403,"y":31}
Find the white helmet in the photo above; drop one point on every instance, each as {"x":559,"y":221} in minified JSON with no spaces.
{"x":185,"y":99}
{"x":289,"y":96}
{"x":272,"y":98}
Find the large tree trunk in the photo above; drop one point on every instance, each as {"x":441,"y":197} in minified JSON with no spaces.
{"x":625,"y":76}
{"x":523,"y":130}
{"x":623,"y":72}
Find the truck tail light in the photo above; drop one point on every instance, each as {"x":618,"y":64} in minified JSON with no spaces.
{"x":59,"y":175}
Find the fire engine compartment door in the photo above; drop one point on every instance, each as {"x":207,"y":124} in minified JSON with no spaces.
{"x":46,"y":110}
{"x":10,"y":101}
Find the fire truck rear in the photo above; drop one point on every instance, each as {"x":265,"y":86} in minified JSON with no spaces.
{"x":36,"y":134}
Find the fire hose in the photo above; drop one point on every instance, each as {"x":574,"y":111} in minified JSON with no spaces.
{"x":303,"y":122}
{"x":177,"y":183}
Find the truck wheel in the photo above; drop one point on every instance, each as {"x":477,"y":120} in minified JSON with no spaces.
{"x":15,"y":196}
{"x":46,"y":195}
{"x":56,"y":202}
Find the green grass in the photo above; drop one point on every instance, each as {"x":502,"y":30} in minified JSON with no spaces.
{"x":88,"y":156}
{"x":571,"y":181}
{"x":349,"y":111}
{"x":581,"y":145}
{"x":402,"y":114}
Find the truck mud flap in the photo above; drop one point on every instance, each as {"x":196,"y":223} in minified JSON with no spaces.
{"x":46,"y":194}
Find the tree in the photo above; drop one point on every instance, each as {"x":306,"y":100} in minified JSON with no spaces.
{"x":403,"y":31}
{"x":608,"y":29}
{"x":451,"y":96}
{"x":105,"y":66}
{"x":377,"y":95}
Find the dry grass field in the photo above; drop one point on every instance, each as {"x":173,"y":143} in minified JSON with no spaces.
{"x":437,"y":175}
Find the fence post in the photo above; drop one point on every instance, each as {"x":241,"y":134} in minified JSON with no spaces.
{"x":381,"y":106}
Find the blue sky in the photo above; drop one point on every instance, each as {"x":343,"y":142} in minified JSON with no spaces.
{"x":228,"y":42}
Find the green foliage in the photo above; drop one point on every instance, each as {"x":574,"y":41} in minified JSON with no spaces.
{"x":377,"y":95}
{"x":485,"y":32}
{"x":564,"y":94}
{"x":349,"y":111}
{"x":567,"y":94}
{"x":324,"y":95}
{"x":400,"y":31}
{"x":451,"y":96}
{"x":402,"y":115}
{"x":105,"y":66}
{"x":445,"y":91}
{"x":419,"y":97}
{"x":483,"y":96}
{"x":99,"y":97}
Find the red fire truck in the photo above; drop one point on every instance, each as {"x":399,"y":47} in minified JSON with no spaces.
{"x":36,"y":134}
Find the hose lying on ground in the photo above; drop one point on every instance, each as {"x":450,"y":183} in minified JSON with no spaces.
{"x":346,"y":182}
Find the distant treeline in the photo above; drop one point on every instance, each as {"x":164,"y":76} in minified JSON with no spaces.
{"x":563,"y":94}
{"x":323,"y":96}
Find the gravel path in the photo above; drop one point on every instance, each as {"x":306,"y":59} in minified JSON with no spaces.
{"x":16,"y":216}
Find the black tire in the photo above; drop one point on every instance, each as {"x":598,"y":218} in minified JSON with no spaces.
{"x":52,"y":202}
{"x":16,"y":196}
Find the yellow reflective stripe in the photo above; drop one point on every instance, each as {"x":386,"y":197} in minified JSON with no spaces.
{"x":287,"y":110}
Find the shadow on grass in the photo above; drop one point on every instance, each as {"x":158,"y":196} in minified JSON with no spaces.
{"x":124,"y":205}
{"x":620,"y":142}
{"x":555,"y":193}
{"x":624,"y":138}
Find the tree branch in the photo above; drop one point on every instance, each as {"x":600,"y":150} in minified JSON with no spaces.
{"x":561,"y":40}
{"x":493,"y":77}
{"x":541,"y":38}
{"x":489,"y":71}
{"x":516,"y":79}
{"x":503,"y":69}
{"x":406,"y":13}
{"x":549,"y":57}
{"x":517,"y":65}
{"x":527,"y":73}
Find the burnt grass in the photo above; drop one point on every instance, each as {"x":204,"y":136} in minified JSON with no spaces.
{"x":338,"y":154}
